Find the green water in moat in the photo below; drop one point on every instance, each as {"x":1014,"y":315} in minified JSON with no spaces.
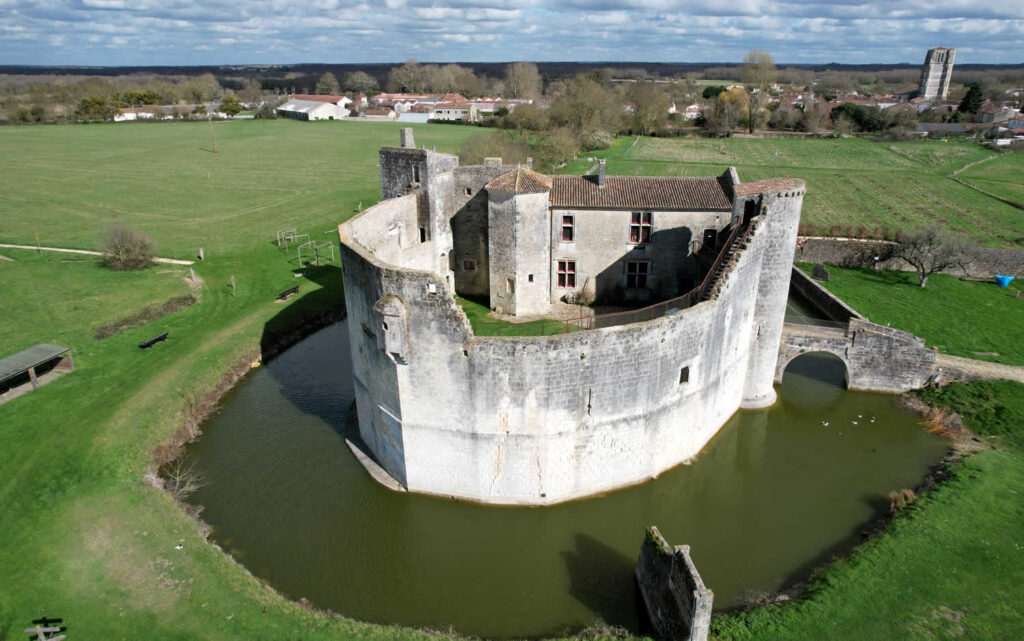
{"x":775,"y":494}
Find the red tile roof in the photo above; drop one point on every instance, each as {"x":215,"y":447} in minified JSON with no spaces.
{"x":770,"y":185}
{"x":640,"y":192}
{"x":520,"y":181}
{"x":317,"y":97}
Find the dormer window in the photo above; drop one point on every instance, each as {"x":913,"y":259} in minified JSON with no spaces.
{"x":568,"y":228}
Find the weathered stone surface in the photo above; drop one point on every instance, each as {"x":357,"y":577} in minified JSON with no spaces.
{"x":538,"y":420}
{"x":984,"y":262}
{"x":678,"y":603}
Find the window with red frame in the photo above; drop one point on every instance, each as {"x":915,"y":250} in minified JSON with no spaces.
{"x":568,"y":228}
{"x":566,"y":273}
{"x":640,"y":227}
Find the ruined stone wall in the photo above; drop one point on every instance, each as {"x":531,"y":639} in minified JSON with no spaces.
{"x":678,"y":603}
{"x":537,"y":420}
{"x":390,"y":231}
{"x":601,"y":249}
{"x":984,"y":262}
{"x":826,"y":303}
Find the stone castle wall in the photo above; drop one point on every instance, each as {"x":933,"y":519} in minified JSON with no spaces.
{"x":984,"y":262}
{"x":537,"y":420}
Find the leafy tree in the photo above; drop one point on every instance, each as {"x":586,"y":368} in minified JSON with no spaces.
{"x":585,"y":108}
{"x":522,"y":80}
{"x":125,"y":249}
{"x":526,"y":116}
{"x":725,"y":111}
{"x":230,"y":105}
{"x":328,"y":85}
{"x":712,"y":91}
{"x":973,"y":99}
{"x":95,"y":109}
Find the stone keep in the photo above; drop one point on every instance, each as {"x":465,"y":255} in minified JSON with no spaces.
{"x":543,"y":419}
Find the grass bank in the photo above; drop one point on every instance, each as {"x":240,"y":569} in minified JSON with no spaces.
{"x":963,"y":318}
{"x":949,"y":567}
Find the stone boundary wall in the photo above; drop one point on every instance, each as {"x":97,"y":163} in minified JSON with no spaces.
{"x":852,"y":252}
{"x":678,"y":603}
{"x":826,"y":302}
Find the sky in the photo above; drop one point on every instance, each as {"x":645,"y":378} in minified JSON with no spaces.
{"x":216,"y":32}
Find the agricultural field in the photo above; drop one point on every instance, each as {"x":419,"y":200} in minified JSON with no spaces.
{"x":850,"y":182}
{"x":70,"y":183}
{"x":1003,"y":176}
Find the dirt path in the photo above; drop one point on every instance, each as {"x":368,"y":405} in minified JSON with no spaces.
{"x":88,"y":252}
{"x":956,"y":368}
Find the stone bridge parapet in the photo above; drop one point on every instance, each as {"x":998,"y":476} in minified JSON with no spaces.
{"x":877,"y":358}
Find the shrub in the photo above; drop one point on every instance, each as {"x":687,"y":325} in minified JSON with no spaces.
{"x":125,"y":249}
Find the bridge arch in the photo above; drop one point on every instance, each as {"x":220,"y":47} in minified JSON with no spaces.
{"x":838,"y":372}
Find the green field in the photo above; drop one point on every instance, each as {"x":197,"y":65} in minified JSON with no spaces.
{"x":71,"y":183}
{"x":1003,"y":176}
{"x":87,"y":539}
{"x":972,"y":319}
{"x":849,"y":181}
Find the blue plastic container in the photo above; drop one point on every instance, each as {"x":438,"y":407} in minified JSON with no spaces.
{"x":1004,"y":281}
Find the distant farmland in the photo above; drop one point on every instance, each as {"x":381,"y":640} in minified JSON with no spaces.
{"x":853,"y":181}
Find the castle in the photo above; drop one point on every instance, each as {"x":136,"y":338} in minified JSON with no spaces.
{"x":613,"y":399}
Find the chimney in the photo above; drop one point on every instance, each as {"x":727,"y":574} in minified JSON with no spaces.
{"x":600,"y":173}
{"x":529,"y":162}
{"x":406,"y":139}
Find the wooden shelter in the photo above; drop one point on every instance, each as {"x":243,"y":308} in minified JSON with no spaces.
{"x":30,"y":368}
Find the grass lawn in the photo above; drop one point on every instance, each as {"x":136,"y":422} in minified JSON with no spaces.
{"x":1003,"y":176}
{"x":70,"y":183}
{"x":84,"y":538}
{"x":62,"y":298}
{"x":950,"y":567}
{"x":958,"y":317}
{"x":486,"y":325}
{"x":849,"y":181}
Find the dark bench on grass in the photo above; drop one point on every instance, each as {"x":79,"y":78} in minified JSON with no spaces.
{"x":288,"y":292}
{"x":153,"y":341}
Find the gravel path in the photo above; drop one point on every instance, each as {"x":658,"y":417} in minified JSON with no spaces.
{"x":957,"y":367}
{"x":89,"y":252}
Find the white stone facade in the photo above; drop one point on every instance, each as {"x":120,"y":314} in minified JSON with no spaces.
{"x":538,"y":420}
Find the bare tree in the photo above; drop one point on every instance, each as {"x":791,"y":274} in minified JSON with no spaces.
{"x":328,"y":85}
{"x":929,"y":251}
{"x":758,"y":73}
{"x":650,"y":107}
{"x":360,"y":81}
{"x":522,"y":80}
{"x":125,"y":249}
{"x":409,"y":77}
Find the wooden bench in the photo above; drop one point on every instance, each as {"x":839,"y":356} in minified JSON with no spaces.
{"x":153,"y":341}
{"x":287,"y":293}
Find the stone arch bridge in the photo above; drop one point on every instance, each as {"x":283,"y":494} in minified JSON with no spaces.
{"x":877,"y":358}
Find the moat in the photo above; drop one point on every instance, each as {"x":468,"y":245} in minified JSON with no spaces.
{"x":775,"y":494}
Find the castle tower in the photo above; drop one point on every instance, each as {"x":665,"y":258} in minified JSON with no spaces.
{"x":518,"y":244}
{"x":936,"y":72}
{"x":778,"y":201}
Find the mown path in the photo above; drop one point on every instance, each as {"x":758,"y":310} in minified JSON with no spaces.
{"x":980,"y":369}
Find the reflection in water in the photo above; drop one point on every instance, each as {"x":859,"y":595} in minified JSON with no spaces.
{"x":775,"y":493}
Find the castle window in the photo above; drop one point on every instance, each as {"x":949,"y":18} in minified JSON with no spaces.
{"x":423,"y":234}
{"x":567,"y":273}
{"x":568,"y":228}
{"x":469,"y":191}
{"x":416,"y":174}
{"x":636,"y":274}
{"x":469,"y":265}
{"x":684,"y":375}
{"x":640,"y":227}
